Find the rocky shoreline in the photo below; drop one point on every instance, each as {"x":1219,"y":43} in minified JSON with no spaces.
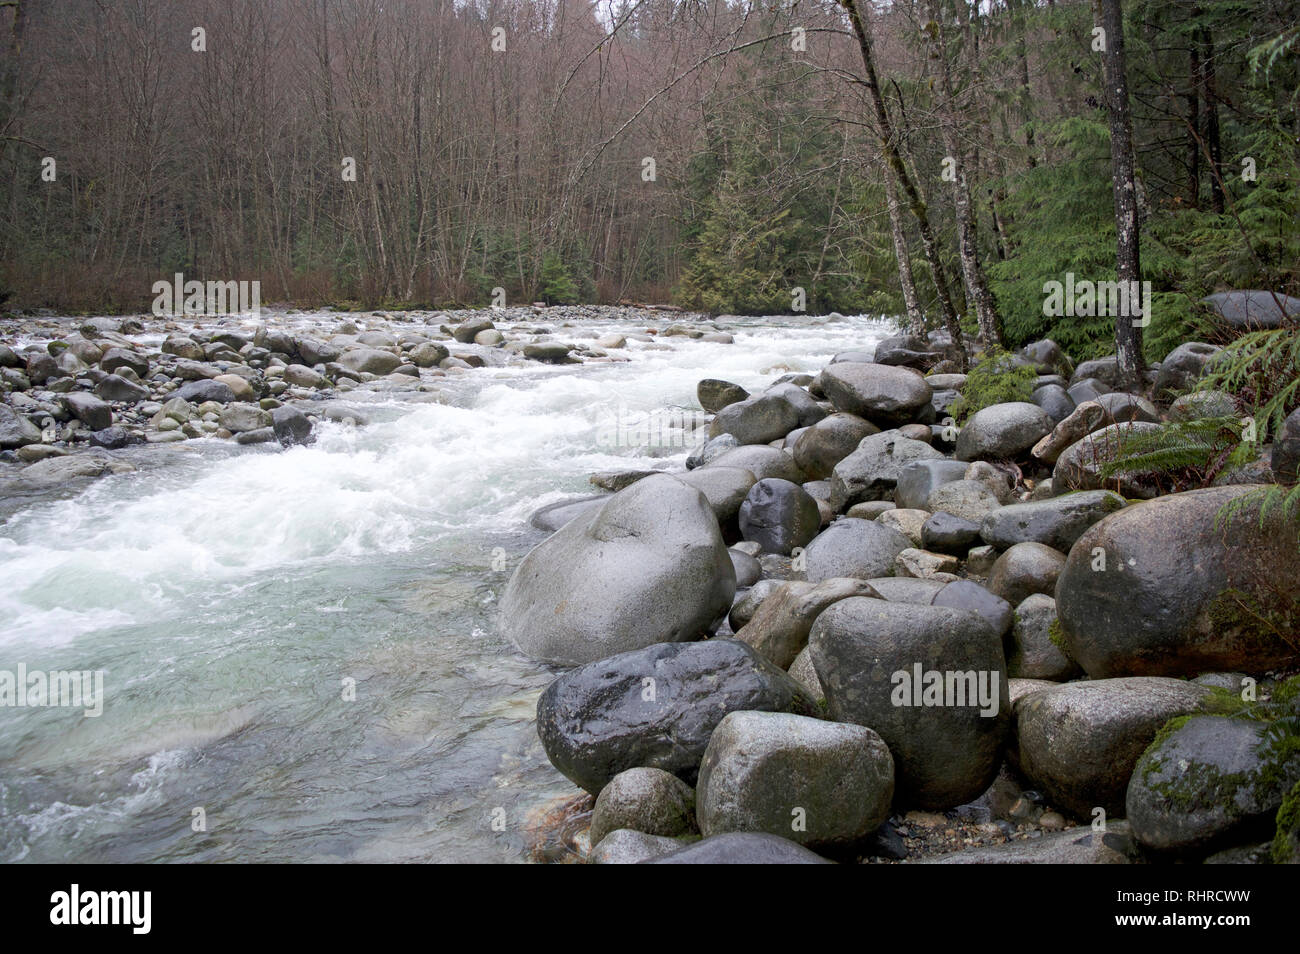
{"x":853,"y":630}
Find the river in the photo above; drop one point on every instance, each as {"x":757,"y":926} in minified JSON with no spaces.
{"x":301,"y":661}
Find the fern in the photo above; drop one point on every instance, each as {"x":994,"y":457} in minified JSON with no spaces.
{"x":1263,"y":369}
{"x":1184,"y":455}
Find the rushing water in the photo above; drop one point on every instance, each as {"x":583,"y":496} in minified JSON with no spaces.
{"x":231,"y":595}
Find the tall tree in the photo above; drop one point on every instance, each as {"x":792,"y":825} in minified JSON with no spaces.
{"x":1128,"y":335}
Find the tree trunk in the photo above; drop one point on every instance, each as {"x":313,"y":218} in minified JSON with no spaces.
{"x":1128,"y":336}
{"x":978,"y":292}
{"x":894,"y":159}
{"x":1193,"y":119}
{"x":1210,"y":120}
{"x":915,"y":320}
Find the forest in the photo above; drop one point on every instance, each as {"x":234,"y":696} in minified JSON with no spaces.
{"x":941,"y":160}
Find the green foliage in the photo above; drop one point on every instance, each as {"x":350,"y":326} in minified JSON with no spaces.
{"x":1262,"y":369}
{"x":997,"y":379}
{"x":557,"y":283}
{"x":1183,"y":455}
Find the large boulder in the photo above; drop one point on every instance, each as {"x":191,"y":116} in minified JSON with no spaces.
{"x":805,"y":405}
{"x":370,"y":361}
{"x":778,"y":515}
{"x":882,"y":394}
{"x":853,"y":547}
{"x":1252,"y":309}
{"x":197,"y":392}
{"x":817,"y":783}
{"x":829,"y":441}
{"x":1166,"y":587}
{"x":649,"y":566}
{"x":1003,"y":430}
{"x":967,"y":498}
{"x":16,"y":430}
{"x":1057,"y":522}
{"x":1024,"y":569}
{"x":779,"y":628}
{"x":761,"y":461}
{"x":918,"y":479}
{"x":758,"y":420}
{"x":714,"y":395}
{"x":1183,"y":367}
{"x":871,"y":472}
{"x":656,"y":707}
{"x":930,"y":680}
{"x":92,"y":411}
{"x":1209,"y":781}
{"x":625,"y":846}
{"x":1078,"y":743}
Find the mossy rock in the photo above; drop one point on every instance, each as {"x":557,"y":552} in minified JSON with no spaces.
{"x":1208,"y":781}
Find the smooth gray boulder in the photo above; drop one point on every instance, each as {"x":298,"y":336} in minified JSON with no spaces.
{"x":966,"y":498}
{"x":757,"y":420}
{"x":16,"y":430}
{"x":885,"y":395}
{"x":647,"y":800}
{"x":871,"y":472}
{"x":778,"y":515}
{"x":648,"y":566}
{"x":779,"y":628}
{"x":370,"y":361}
{"x":656,"y":707}
{"x":1054,"y":400}
{"x":90,"y":410}
{"x":761,"y":461}
{"x":853,"y":547}
{"x":197,"y":392}
{"x":1166,"y":587}
{"x":742,"y":848}
{"x":805,"y":405}
{"x":1078,"y":742}
{"x":1057,"y":522}
{"x":880,"y":662}
{"x":1024,"y":569}
{"x":1035,"y":654}
{"x":829,"y":441}
{"x":1003,"y":430}
{"x":1183,"y":367}
{"x":818,"y":783}
{"x":918,"y":479}
{"x":291,"y":426}
{"x":1252,"y":309}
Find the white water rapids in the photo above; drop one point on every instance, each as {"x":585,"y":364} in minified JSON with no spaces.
{"x":228,"y":593}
